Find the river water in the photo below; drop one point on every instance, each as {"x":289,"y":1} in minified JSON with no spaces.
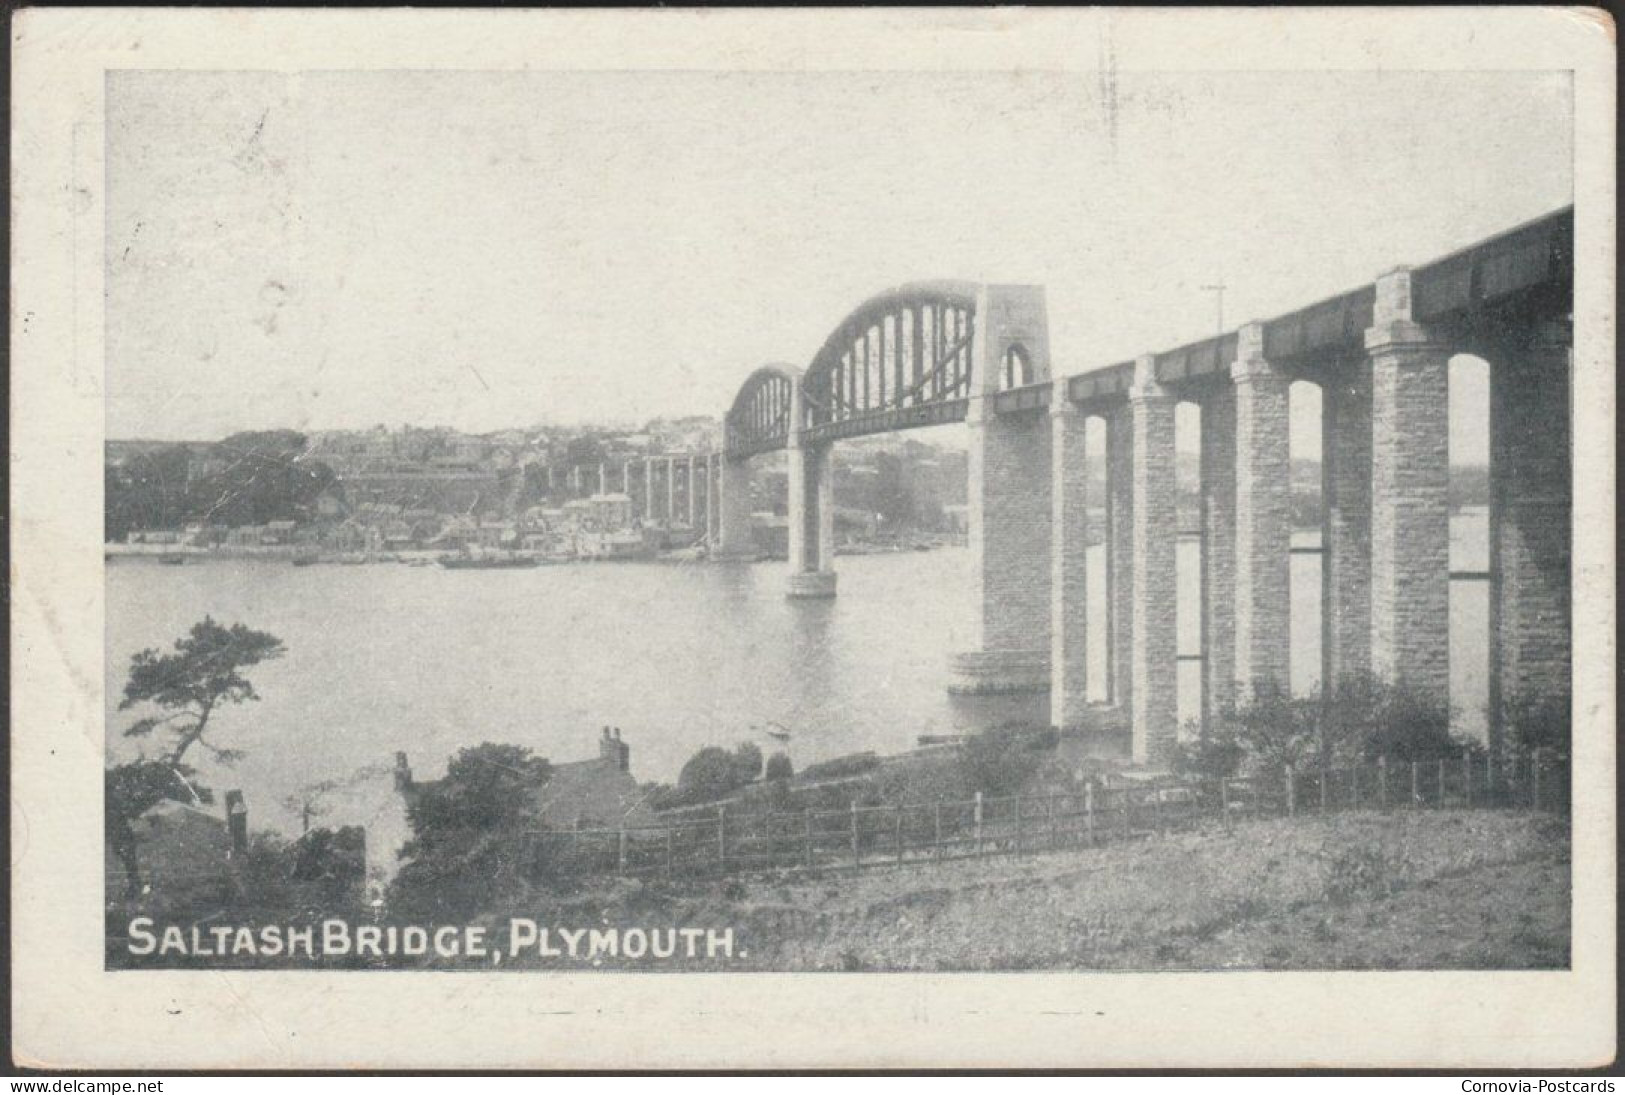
{"x":386,"y":657}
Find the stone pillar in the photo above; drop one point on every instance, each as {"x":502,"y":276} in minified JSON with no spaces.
{"x":1069,"y":583}
{"x":734,"y":538}
{"x":692,"y":493}
{"x":812,"y":520}
{"x":1410,"y":488}
{"x":1263,"y":612}
{"x":603,"y":478}
{"x":575,"y":480}
{"x":648,"y":489}
{"x":1346,"y":430}
{"x":812,"y":510}
{"x":1531,"y":470}
{"x":671,"y":491}
{"x":626,"y":478}
{"x":711,"y":500}
{"x":1120,"y":555}
{"x":1154,"y":715}
{"x":1008,"y":502}
{"x":1218,"y":550}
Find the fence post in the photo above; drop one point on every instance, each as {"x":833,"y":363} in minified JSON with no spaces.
{"x":1416,"y":784}
{"x":1291,"y":793}
{"x":899,"y":832}
{"x":1089,"y":812}
{"x":620,"y":849}
{"x":1224,"y":799}
{"x":976,"y":826}
{"x":1382,"y":783}
{"x":722,"y":838}
{"x":857,"y":853}
{"x":1467,"y":776}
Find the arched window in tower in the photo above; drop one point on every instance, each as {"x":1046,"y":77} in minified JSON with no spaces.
{"x":1018,"y":368}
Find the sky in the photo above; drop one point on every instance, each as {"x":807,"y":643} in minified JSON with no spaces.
{"x":490,"y":250}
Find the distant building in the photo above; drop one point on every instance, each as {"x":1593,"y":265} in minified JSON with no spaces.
{"x":182,"y":845}
{"x":611,"y":511}
{"x":278,"y":532}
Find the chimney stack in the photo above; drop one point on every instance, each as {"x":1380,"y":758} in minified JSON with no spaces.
{"x":613,"y":751}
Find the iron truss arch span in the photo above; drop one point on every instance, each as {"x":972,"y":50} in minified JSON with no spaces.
{"x":900,"y":359}
{"x":759,"y":420}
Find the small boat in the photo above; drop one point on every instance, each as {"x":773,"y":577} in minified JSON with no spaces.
{"x":172,"y":559}
{"x":776,"y":731}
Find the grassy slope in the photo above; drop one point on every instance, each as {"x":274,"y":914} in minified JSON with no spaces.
{"x":1470,"y":889}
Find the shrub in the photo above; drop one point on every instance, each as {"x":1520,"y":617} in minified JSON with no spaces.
{"x":1402,"y":724}
{"x":1541,"y":721}
{"x":1000,"y":760}
{"x":1359,"y":720}
{"x":1272,"y":731}
{"x":1208,"y":753}
{"x":853,"y":764}
{"x":779,"y":767}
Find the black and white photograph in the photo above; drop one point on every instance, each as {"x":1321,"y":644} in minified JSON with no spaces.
{"x":692,"y":519}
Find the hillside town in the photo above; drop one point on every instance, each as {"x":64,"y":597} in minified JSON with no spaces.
{"x":411,"y":494}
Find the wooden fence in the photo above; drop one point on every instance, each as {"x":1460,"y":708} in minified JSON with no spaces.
{"x":868,"y":836}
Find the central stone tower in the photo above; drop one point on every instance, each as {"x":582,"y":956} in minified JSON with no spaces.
{"x":1008,"y":496}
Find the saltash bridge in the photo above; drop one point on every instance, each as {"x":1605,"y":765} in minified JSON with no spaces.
{"x":946,"y":351}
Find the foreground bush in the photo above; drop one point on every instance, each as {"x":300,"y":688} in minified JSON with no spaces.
{"x":1356,"y":722}
{"x":1001,"y":760}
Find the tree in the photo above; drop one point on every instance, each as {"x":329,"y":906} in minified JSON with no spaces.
{"x":711,"y":773}
{"x":748,"y":761}
{"x":204,"y":672}
{"x":779,"y":768}
{"x":262,"y":476}
{"x":461,"y":853}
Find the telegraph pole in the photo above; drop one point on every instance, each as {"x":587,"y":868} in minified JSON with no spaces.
{"x":1218,"y":292}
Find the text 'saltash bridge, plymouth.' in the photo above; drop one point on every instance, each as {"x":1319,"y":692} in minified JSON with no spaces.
{"x":945,"y":351}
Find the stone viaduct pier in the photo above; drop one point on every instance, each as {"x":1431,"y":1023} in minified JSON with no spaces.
{"x":936,"y":352}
